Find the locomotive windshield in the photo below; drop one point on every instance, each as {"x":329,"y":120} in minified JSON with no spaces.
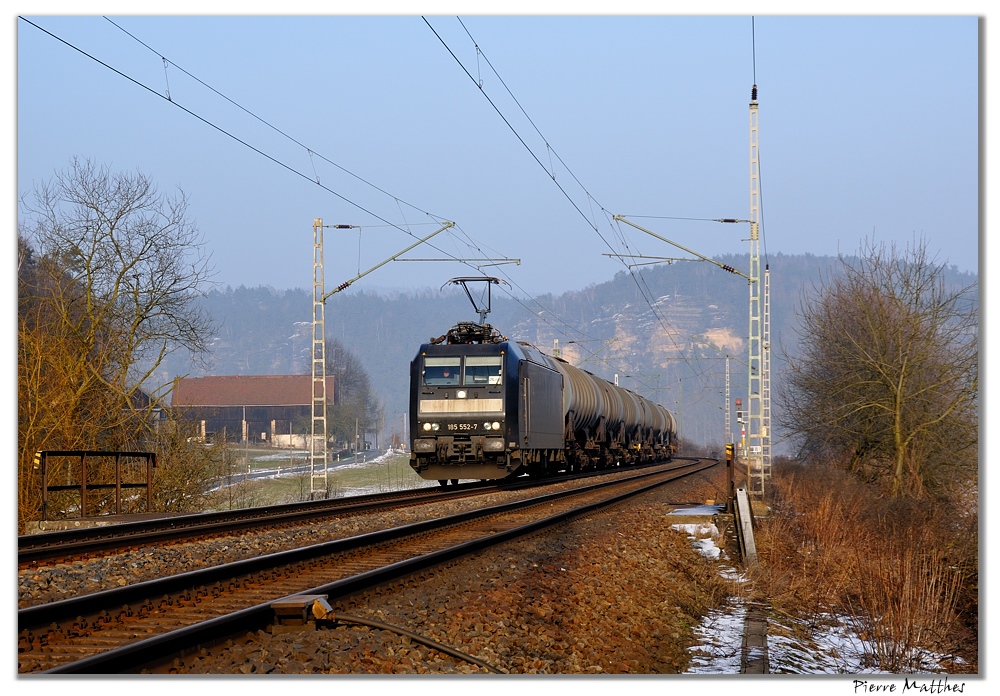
{"x":482,"y":369}
{"x":477,"y":370}
{"x":441,"y":371}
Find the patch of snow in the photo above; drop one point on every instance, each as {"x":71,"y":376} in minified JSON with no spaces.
{"x":720,"y":641}
{"x":280,"y":456}
{"x":699,"y":510}
{"x":704,"y":536}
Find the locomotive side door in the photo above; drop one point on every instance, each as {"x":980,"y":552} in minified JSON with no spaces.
{"x":525,"y":411}
{"x":541,"y":420}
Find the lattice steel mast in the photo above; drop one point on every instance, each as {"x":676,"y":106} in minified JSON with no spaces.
{"x":318,"y":360}
{"x":758,"y":412}
{"x":765,"y":403}
{"x":319,"y":396}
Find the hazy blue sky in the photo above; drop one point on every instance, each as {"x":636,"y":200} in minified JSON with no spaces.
{"x":868,"y":125}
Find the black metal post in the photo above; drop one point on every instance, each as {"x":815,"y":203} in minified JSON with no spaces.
{"x":730,"y":469}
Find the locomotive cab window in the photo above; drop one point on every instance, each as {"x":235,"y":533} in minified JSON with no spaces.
{"x":441,"y":371}
{"x":485,"y":369}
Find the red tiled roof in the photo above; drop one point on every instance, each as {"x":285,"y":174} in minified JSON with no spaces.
{"x":257,"y":390}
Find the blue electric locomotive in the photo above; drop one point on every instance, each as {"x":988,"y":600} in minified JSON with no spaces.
{"x":484,"y":407}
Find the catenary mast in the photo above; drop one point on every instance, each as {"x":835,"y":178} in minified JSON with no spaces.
{"x":758,"y":442}
{"x":318,"y":364}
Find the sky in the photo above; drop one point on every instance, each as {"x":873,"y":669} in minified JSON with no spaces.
{"x":868,"y":127}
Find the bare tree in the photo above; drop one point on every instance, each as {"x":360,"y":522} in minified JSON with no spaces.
{"x":888,"y":372}
{"x":108,"y":271}
{"x":356,"y":404}
{"x":188,"y":473}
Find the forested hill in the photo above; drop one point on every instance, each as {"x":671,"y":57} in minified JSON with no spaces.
{"x":665,"y":331}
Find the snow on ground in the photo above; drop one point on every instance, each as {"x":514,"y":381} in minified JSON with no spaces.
{"x":825,"y":645}
{"x":365,"y":462}
{"x":281,"y":456}
{"x":407,"y":482}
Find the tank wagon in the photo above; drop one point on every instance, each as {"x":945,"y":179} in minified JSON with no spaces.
{"x":485,"y":407}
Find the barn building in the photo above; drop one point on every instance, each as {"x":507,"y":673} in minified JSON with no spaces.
{"x":271,"y":410}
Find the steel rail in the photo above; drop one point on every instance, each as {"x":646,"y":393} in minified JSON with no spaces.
{"x":33,"y":548}
{"x":154,"y":649}
{"x":50,"y":545}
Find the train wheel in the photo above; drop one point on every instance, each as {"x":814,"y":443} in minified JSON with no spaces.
{"x":454,"y":482}
{"x":443,"y":482}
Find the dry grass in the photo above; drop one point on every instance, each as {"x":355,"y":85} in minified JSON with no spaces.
{"x":905,"y":571}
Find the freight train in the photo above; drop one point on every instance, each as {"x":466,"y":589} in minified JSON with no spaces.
{"x":484,"y":407}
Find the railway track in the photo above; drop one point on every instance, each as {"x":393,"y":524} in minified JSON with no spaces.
{"x":134,"y":627}
{"x":66,"y":545}
{"x":72,"y":543}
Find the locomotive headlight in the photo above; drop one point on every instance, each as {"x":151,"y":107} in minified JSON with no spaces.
{"x":461,"y":394}
{"x":487,"y":426}
{"x":427,"y":426}
{"x":430,"y":426}
{"x":434,"y":426}
{"x":496,"y":425}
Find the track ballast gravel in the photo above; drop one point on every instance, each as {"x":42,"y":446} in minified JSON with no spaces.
{"x":616,"y":593}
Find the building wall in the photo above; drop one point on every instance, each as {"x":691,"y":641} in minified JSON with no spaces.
{"x":263,"y":423}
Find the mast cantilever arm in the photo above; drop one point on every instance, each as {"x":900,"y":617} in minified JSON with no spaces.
{"x":347,"y":284}
{"x":621,"y":218}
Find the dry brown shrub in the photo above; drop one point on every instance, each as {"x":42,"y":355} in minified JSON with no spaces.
{"x":904,"y":604}
{"x":905,"y":570}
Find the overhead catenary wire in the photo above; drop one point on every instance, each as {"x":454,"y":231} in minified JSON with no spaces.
{"x":640,"y":282}
{"x":270,"y":125}
{"x":551,"y":172}
{"x":614,"y":221}
{"x":314,"y":179}
{"x":245,"y":143}
{"x":312,"y":152}
{"x":216,"y":127}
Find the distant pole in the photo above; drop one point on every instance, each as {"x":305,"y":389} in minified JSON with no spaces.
{"x":680,"y":402}
{"x":730,"y":467}
{"x":246,"y":443}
